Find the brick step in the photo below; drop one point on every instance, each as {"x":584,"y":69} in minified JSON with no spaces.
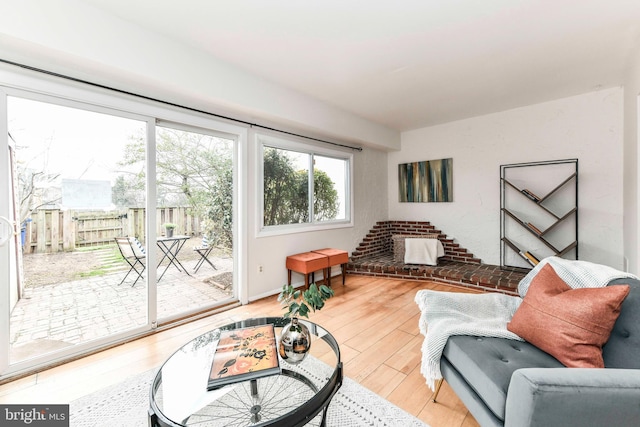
{"x":478,"y":276}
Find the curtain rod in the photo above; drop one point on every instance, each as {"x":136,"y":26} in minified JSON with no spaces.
{"x":148,"y":98}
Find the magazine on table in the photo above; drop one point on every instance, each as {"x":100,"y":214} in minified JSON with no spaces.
{"x":244,"y":354}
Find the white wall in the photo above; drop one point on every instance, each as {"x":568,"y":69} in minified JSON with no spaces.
{"x":588,"y":127}
{"x":631,"y":161}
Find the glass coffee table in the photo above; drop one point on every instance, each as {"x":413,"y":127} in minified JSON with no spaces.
{"x":298,"y":396}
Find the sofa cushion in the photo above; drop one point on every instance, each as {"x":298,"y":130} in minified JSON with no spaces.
{"x":488,"y":363}
{"x":570,"y":324}
{"x":623,"y":347}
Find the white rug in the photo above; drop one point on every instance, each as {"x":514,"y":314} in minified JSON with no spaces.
{"x":126,"y":405}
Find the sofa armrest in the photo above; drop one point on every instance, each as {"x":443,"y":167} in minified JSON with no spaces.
{"x":573,"y":397}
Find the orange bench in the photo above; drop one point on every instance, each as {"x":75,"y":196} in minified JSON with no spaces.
{"x":308,"y":263}
{"x":336,"y":257}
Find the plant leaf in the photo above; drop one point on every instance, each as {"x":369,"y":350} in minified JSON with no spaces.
{"x":304,"y":310}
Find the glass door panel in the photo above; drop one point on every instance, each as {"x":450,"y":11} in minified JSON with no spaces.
{"x":194,"y":176}
{"x":76,"y":193}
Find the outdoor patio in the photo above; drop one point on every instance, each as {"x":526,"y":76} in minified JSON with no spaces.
{"x":51,"y":317}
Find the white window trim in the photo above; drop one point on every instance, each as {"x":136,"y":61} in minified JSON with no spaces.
{"x":300,"y":145}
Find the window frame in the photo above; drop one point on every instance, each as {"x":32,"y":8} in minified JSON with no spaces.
{"x":265,"y":139}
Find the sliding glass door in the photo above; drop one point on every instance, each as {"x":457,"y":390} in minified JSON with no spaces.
{"x":194,"y":176}
{"x":67,"y":289}
{"x":111,"y":224}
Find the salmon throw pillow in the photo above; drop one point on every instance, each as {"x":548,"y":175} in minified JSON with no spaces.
{"x":572,"y":325}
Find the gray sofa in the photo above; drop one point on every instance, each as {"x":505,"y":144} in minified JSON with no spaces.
{"x":511,"y":383}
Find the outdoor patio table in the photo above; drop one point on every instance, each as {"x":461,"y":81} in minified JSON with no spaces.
{"x":170,"y":247}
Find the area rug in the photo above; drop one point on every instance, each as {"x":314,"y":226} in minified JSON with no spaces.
{"x":126,"y":404}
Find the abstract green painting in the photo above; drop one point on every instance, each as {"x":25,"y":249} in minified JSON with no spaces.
{"x":428,"y":181}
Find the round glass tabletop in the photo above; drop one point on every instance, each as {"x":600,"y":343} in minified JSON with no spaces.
{"x":298,"y":395}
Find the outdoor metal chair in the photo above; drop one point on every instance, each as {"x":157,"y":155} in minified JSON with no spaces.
{"x":203,"y":250}
{"x":133,"y":253}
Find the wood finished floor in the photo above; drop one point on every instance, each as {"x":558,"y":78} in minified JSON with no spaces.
{"x":375,"y":321}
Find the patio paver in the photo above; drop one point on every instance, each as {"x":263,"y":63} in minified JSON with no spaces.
{"x":56,"y":316}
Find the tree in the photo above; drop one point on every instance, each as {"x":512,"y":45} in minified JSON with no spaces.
{"x":34,"y":190}
{"x":286,"y":191}
{"x":325,"y":201}
{"x":128,"y":193}
{"x":35,"y":186}
{"x":197,"y":170}
{"x":218,"y":210}
{"x":284,"y":197}
{"x":191,"y":169}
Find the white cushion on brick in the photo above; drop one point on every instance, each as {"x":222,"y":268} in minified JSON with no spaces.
{"x":422,"y":251}
{"x":398,"y":243}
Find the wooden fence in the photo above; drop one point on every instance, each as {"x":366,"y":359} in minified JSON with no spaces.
{"x":54,"y":230}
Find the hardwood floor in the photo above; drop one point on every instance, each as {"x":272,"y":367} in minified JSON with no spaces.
{"x":375,"y":321}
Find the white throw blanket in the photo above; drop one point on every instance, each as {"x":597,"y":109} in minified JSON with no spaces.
{"x":577,"y":274}
{"x":448,"y":313}
{"x":444,"y":314}
{"x":422,"y":251}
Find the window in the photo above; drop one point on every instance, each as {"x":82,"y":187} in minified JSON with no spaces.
{"x":303,"y":185}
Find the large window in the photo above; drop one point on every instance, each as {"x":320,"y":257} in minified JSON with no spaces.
{"x":303,"y":186}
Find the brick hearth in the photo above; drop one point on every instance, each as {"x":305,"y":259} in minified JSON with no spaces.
{"x":374,"y":257}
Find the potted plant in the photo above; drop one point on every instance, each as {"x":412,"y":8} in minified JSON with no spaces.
{"x":169,"y":227}
{"x":295,"y":339}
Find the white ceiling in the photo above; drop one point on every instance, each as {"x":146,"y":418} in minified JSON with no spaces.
{"x":413,"y":63}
